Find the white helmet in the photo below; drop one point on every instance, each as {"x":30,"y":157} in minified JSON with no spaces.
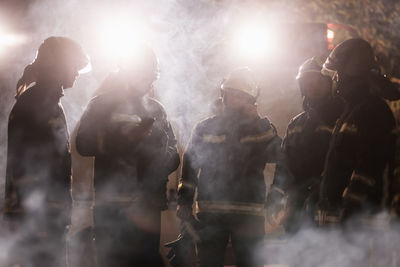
{"x":241,"y":79}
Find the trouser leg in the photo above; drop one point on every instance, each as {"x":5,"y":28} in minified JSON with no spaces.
{"x":248,"y":240}
{"x":211,"y":249}
{"x":127,"y":237}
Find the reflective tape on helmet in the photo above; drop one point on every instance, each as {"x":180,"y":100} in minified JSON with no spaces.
{"x":262,"y":137}
{"x":348,"y":128}
{"x":214,"y":139}
{"x":362,"y":178}
{"x":324,"y":128}
{"x":256,"y":209}
{"x":353,"y":196}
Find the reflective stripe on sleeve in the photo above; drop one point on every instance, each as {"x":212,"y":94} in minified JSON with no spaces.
{"x":324,"y":128}
{"x":214,"y":139}
{"x":348,"y":128}
{"x":295,"y":130}
{"x":356,"y":197}
{"x":364,"y":179}
{"x":256,"y":209}
{"x":263,"y":137}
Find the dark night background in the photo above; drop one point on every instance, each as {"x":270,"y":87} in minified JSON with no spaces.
{"x":193,"y":40}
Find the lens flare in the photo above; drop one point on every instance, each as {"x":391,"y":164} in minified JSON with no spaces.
{"x":121,"y":37}
{"x":255,"y":40}
{"x":9,"y":39}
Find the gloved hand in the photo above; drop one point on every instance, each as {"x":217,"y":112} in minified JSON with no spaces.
{"x":275,"y":205}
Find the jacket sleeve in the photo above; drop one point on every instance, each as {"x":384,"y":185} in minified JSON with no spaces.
{"x":374,"y":152}
{"x":90,"y":134}
{"x":190,"y":170}
{"x":283,"y":179}
{"x":14,"y":152}
{"x":173,"y":159}
{"x":98,"y":134}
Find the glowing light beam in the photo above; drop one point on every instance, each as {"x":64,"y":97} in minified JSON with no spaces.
{"x":120,"y":38}
{"x":255,"y":40}
{"x":9,"y":39}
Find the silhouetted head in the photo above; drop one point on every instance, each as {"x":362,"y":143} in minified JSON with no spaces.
{"x":57,"y":64}
{"x":239,"y":89}
{"x":140,"y":71}
{"x":349,"y":65}
{"x":314,"y":87}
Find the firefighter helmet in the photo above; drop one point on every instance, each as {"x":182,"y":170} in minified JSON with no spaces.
{"x":311,"y":81}
{"x":311,"y":65}
{"x":54,"y":51}
{"x":242,"y":80}
{"x":353,"y":57}
{"x":62,"y":49}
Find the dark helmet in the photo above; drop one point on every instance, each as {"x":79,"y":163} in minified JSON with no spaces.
{"x":53,"y":52}
{"x":311,"y":65}
{"x":353,"y":57}
{"x":56,"y":50}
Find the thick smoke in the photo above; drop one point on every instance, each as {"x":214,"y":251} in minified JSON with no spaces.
{"x":191,"y":39}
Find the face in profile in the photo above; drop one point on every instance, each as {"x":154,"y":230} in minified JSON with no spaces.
{"x":71,"y":73}
{"x":141,"y":83}
{"x":315,"y":87}
{"x":236,"y":100}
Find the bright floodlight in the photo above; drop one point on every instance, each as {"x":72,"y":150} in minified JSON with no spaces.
{"x":8,"y":39}
{"x":255,"y":40}
{"x":121,"y":37}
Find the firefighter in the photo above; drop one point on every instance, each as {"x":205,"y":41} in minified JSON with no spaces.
{"x":38,"y":178}
{"x":225,"y":160}
{"x":183,"y":250}
{"x":362,"y":142}
{"x":306,"y":143}
{"x":134,"y":147}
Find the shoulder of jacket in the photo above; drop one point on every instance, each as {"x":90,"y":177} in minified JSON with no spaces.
{"x":299,"y":118}
{"x":155,"y":107}
{"x":372,"y":107}
{"x":207,"y":122}
{"x":205,"y":125}
{"x":26,"y":105}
